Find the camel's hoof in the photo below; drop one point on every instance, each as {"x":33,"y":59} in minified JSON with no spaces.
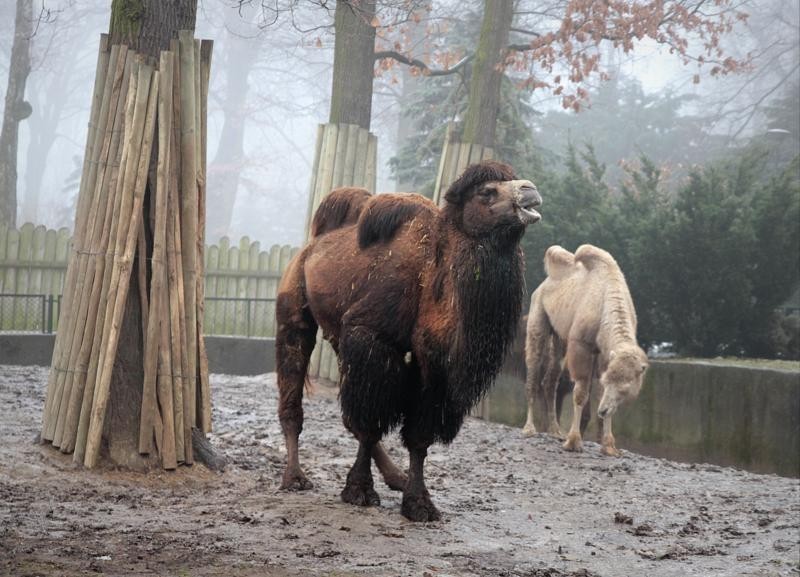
{"x":396,"y":482}
{"x":528,"y":431}
{"x":555,"y":432}
{"x":295,"y":481}
{"x":573,"y":443}
{"x":610,"y":451}
{"x":419,"y":508}
{"x":361,"y":495}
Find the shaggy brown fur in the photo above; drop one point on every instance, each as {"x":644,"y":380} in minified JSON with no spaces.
{"x":419,"y":302}
{"x":583,"y":313}
{"x":339,"y":209}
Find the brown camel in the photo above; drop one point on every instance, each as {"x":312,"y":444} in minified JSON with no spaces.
{"x":419,"y":303}
{"x":583,"y":312}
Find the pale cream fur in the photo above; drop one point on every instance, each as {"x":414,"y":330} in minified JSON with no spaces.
{"x":583,"y":314}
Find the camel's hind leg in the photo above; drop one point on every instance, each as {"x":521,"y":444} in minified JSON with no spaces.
{"x":294,"y":343}
{"x":550,"y":383}
{"x":543,"y":362}
{"x":394,"y":478}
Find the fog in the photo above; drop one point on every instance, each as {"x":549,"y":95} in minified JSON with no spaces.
{"x":270,"y":88}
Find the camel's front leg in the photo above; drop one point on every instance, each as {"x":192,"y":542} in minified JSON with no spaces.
{"x":417,"y":504}
{"x":551,"y":381}
{"x":359,"y":488}
{"x":373,"y":376}
{"x":530,"y":428}
{"x":607,"y":446}
{"x":579,"y":398}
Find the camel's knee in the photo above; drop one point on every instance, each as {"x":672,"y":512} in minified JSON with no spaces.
{"x":579,"y":394}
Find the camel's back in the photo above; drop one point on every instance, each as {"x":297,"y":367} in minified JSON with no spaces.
{"x":576,"y":297}
{"x":370,"y":281}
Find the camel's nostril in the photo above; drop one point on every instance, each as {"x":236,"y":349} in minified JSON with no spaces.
{"x":530,"y":198}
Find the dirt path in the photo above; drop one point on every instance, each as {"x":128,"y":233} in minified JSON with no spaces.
{"x":511,"y":506}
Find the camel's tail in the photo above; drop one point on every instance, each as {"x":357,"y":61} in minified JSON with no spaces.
{"x":341,"y":207}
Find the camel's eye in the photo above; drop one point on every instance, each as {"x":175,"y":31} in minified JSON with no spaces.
{"x":487,"y":191}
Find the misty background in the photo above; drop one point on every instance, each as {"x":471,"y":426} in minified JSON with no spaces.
{"x":270,"y":87}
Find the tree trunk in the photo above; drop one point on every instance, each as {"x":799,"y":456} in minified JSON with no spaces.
{"x":43,"y":126}
{"x":353,"y":63}
{"x":407,"y":125}
{"x":146,"y":26}
{"x":16,"y":110}
{"x":226,"y":168}
{"x":487,"y":74}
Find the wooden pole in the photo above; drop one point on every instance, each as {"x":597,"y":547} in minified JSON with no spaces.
{"x":130,"y":214}
{"x":108,"y":249}
{"x":80,"y":346}
{"x":187,"y":407}
{"x":98,"y":116}
{"x":111,"y":86}
{"x":174,"y":259}
{"x":189,"y":220}
{"x":90,"y":303}
{"x":204,"y":412}
{"x":106,"y":161}
{"x":141,"y":273}
{"x":158,"y":268}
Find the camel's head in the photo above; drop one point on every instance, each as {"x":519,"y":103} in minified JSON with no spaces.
{"x":622,"y":380}
{"x":488,"y":198}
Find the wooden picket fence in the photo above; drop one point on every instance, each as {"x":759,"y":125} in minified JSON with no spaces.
{"x":33,"y":262}
{"x":240,"y":287}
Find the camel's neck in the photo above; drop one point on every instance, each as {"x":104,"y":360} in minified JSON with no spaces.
{"x":618,"y":327}
{"x":487,"y":283}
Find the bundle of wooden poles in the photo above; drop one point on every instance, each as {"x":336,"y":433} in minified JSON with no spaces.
{"x":141,"y":205}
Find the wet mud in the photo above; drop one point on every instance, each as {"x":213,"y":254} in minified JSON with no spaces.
{"x":511,"y":506}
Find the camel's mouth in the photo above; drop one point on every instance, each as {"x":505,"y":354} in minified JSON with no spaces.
{"x":528,"y":200}
{"x":528,"y":215}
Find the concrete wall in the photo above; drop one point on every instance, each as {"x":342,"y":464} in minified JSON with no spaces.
{"x":689,"y":411}
{"x":729,"y":415}
{"x":240,"y":356}
{"x":696,"y":411}
{"x":229,"y":355}
{"x":26,"y":349}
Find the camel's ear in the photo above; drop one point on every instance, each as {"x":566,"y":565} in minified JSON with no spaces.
{"x":644,"y":367}
{"x":611,"y":355}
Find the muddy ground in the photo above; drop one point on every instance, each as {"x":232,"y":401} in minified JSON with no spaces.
{"x":511,"y":506}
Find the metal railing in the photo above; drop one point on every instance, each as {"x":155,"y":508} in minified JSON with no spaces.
{"x":240,"y":316}
{"x":231,"y":316}
{"x":29,"y":313}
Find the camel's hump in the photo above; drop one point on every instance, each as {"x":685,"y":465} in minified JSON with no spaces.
{"x":590,"y":256}
{"x":342,"y":206}
{"x":558,"y":262}
{"x":385,"y":213}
